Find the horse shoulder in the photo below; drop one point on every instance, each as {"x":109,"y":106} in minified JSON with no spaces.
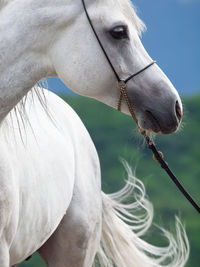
{"x":47,"y":155}
{"x":77,"y":237}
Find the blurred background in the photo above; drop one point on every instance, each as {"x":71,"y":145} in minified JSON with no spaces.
{"x":173,"y":39}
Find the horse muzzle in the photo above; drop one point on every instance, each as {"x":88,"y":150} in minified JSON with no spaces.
{"x":164,"y":120}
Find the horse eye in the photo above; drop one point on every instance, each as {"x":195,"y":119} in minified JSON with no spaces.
{"x":119,"y":32}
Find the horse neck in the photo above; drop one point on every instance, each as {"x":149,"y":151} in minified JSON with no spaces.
{"x":27,"y":29}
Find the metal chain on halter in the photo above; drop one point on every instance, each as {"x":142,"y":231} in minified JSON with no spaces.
{"x":122,"y":86}
{"x":158,"y":156}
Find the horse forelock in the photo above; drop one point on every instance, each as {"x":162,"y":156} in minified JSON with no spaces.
{"x":129,"y":11}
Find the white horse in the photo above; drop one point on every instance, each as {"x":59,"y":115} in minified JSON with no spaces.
{"x":50,"y":189}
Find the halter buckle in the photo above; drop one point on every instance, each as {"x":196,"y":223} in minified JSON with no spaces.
{"x":121,"y":84}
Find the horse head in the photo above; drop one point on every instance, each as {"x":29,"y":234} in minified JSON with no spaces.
{"x":81,"y":64}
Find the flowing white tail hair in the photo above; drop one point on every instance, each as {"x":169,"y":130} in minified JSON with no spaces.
{"x":124,"y":224}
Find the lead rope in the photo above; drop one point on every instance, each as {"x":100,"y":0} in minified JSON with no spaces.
{"x":157,"y":155}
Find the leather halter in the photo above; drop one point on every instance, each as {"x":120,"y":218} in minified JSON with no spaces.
{"x":158,"y":156}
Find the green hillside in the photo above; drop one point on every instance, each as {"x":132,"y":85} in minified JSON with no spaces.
{"x":115,"y":136}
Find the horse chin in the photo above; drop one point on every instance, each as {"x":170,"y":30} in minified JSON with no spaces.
{"x":158,"y":131}
{"x":154,"y":127}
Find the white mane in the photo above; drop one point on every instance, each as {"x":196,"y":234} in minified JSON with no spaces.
{"x":4,"y":3}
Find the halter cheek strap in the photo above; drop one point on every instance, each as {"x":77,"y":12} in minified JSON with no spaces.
{"x":158,"y":156}
{"x":121,"y":82}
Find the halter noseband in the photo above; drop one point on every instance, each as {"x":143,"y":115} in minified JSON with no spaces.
{"x":158,"y":156}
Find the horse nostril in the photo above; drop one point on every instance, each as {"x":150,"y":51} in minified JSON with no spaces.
{"x":179,"y":112}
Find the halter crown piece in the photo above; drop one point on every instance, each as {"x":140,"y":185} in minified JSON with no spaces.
{"x":158,"y":156}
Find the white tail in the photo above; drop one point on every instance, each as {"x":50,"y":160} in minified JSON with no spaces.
{"x":123,"y":226}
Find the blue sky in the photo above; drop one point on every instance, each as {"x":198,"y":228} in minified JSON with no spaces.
{"x":172,"y":38}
